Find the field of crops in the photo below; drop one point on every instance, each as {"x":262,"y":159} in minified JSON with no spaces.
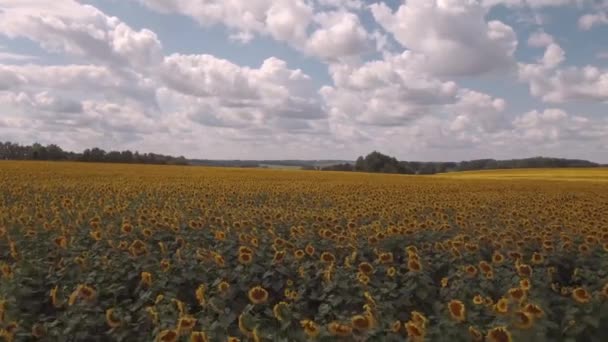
{"x":158,"y":253}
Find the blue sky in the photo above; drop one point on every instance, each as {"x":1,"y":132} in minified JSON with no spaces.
{"x":309,"y":79}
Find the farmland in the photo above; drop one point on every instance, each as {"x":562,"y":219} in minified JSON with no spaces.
{"x":99,"y":252}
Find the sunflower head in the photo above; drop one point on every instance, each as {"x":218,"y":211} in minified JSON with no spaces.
{"x":311,"y":329}
{"x":499,"y":334}
{"x":309,"y":249}
{"x":111,"y":319}
{"x":168,"y":336}
{"x":328,"y":257}
{"x":534,"y":310}
{"x":478,"y":300}
{"x":245,"y":258}
{"x":391,"y":271}
{"x":223,"y":286}
{"x":146,"y":279}
{"x":338,"y":329}
{"x":523,"y":320}
{"x":414,"y":331}
{"x":396,"y":326}
{"x":476,"y":335}
{"x":386,"y":258}
{"x":186,"y":323}
{"x":414,"y":265}
{"x":471,"y":270}
{"x":525,"y":284}
{"x":502,"y":306}
{"x":366,"y":268}
{"x":524,"y":271}
{"x":498,"y":258}
{"x":517,"y":294}
{"x":581,"y":295}
{"x":457,"y":310}
{"x":278,"y":310}
{"x":419,"y":318}
{"x":299,"y":254}
{"x":38,"y":330}
{"x":361,"y":322}
{"x":199,"y":336}
{"x":258,"y":295}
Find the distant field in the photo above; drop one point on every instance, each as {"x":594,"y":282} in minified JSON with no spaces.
{"x":595,"y":174}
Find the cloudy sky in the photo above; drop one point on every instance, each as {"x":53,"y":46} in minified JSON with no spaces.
{"x":308,"y":79}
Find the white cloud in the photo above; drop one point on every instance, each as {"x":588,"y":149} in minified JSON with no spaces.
{"x":540,"y":39}
{"x":340,"y":35}
{"x":80,"y":30}
{"x":452,"y":35}
{"x":587,"y":21}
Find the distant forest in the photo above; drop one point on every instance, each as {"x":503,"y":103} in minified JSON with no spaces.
{"x":380,"y":163}
{"x":12,"y":151}
{"x":374,"y":162}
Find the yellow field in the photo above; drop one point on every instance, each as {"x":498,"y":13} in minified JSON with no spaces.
{"x":100,"y":252}
{"x":592,"y":175}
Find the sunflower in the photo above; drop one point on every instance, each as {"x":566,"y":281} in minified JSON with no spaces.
{"x":523,"y":320}
{"x":605,"y":291}
{"x":245,"y":258}
{"x":361,"y":322}
{"x":152,"y":314}
{"x":518,"y":294}
{"x":327,"y":257}
{"x":498,"y":258}
{"x":534,"y":310}
{"x":419,"y":318}
{"x":53,"y":295}
{"x":219,"y":260}
{"x":457,"y":310}
{"x":485,"y":267}
{"x":258,"y":295}
{"x":499,"y":334}
{"x":299,"y":254}
{"x":61,"y":242}
{"x":525,"y":284}
{"x":138,"y":248}
{"x":146,"y":279}
{"x":362,"y":278}
{"x":524,"y":270}
{"x":311,"y":329}
{"x":366,"y":268}
{"x":7,"y":271}
{"x":391,"y":271}
{"x":537,"y":258}
{"x":338,"y":329}
{"x":278,"y":310}
{"x":471,"y":271}
{"x":386,"y":258}
{"x":581,"y":295}
{"x":478,"y":300}
{"x":233,"y":339}
{"x":95,"y":235}
{"x":278,"y":257}
{"x":414,"y":332}
{"x":83,"y":292}
{"x":168,"y":336}
{"x":444,"y":282}
{"x":186,"y":324}
{"x":476,"y":335}
{"x":223,"y":286}
{"x":126,"y":228}
{"x":502,"y":306}
{"x":199,"y":336}
{"x":396,"y":326}
{"x":310,"y":250}
{"x":200,"y":294}
{"x":165,"y":265}
{"x":414,"y":265}
{"x":111,"y":319}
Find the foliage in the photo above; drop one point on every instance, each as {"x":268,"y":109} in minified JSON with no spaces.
{"x":12,"y":151}
{"x":99,"y":252}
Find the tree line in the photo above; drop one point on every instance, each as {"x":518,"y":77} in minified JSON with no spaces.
{"x":13,"y":151}
{"x":377,"y":162}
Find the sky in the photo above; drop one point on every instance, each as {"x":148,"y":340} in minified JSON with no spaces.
{"x":427,"y":80}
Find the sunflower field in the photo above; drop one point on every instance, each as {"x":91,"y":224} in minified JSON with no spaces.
{"x":100,"y":252}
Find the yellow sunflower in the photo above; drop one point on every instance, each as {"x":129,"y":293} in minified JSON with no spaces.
{"x":258,"y":295}
{"x":457,"y":310}
{"x":499,"y":334}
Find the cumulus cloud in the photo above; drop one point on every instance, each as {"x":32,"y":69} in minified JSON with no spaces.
{"x":81,"y":30}
{"x":588,"y":21}
{"x":340,"y":35}
{"x":453,"y":36}
{"x":540,"y":39}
